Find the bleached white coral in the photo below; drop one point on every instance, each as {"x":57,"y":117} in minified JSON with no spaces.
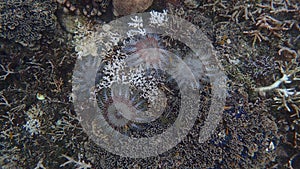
{"x":113,"y":72}
{"x":147,"y":84}
{"x":40,"y":165}
{"x":158,"y":18}
{"x":136,"y":25}
{"x":87,"y":41}
{"x":85,"y":45}
{"x":33,"y":126}
{"x":134,"y":32}
{"x":137,"y":22}
{"x":84,"y":40}
{"x":114,"y":38}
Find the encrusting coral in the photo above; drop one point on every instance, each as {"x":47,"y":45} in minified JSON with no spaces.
{"x":26,"y":21}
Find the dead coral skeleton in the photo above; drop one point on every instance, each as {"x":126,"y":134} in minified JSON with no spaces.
{"x":244,"y":10}
{"x":256,"y":36}
{"x":281,"y":6}
{"x":79,"y":164}
{"x":267,"y":21}
{"x":7,"y":71}
{"x":216,"y":4}
{"x":288,"y":98}
{"x":287,"y":51}
{"x":273,"y":25}
{"x":3,"y":100}
{"x":65,"y":125}
{"x":8,"y":131}
{"x":40,"y":165}
{"x":240,"y":10}
{"x":286,"y":78}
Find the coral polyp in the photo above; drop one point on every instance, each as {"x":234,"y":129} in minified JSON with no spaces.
{"x":146,"y":50}
{"x":121,"y":106}
{"x":188,"y":72}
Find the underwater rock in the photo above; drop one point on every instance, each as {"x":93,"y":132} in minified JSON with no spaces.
{"x":128,"y":7}
{"x":70,"y":22}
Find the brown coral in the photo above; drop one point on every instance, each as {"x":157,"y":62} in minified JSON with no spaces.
{"x":128,"y":7}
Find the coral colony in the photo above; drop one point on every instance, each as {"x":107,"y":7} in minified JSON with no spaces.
{"x":143,"y":82}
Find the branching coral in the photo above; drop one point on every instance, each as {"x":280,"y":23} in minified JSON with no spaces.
{"x":79,"y":164}
{"x":288,"y":93}
{"x":271,"y":21}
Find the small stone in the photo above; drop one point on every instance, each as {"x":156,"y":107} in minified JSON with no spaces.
{"x":271,"y":147}
{"x":228,"y":41}
{"x":128,"y":7}
{"x":66,"y":10}
{"x":61,"y":1}
{"x":72,"y":8}
{"x":94,"y":12}
{"x":68,"y":4}
{"x":99,"y":13}
{"x":40,"y":96}
{"x":84,"y":11}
